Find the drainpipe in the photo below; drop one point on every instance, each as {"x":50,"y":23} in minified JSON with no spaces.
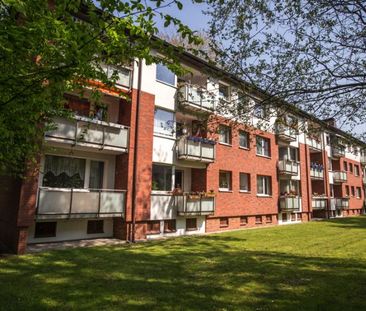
{"x":326,"y":179}
{"x":134,"y":177}
{"x":308,"y":180}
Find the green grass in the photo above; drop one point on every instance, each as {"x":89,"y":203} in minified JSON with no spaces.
{"x":312,"y":266}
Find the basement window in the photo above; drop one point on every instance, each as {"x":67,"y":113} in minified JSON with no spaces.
{"x":243,"y":220}
{"x":224,"y":222}
{"x":95,"y":226}
{"x":153,"y":227}
{"x":45,"y":229}
{"x":170,"y":226}
{"x":191,"y":224}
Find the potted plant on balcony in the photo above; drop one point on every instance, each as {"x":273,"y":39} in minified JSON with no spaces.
{"x":177,"y":191}
{"x":194,"y":195}
{"x":210,"y":194}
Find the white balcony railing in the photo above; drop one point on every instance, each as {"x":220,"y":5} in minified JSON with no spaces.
{"x":288,"y":167}
{"x":290,"y":203}
{"x":316,"y":173}
{"x":339,"y":203}
{"x":314,"y":145}
{"x":64,"y":203}
{"x":89,"y":133}
{"x":363,"y":159}
{"x":319,"y":203}
{"x":285,"y":133}
{"x":339,"y":176}
{"x":364,"y":180}
{"x":196,"y":149}
{"x":123,"y":77}
{"x":338,"y":151}
{"x":195,"y":205}
{"x":196,"y":96}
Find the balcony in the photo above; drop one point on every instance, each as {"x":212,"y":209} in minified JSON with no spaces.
{"x":195,"y":97}
{"x":90,"y":134}
{"x":339,"y":176}
{"x":123,"y":77}
{"x":314,"y":144}
{"x":196,"y":149}
{"x":290,"y":203}
{"x":316,"y":172}
{"x":319,"y":203}
{"x":285,"y":133}
{"x":364,"y":180}
{"x":288,"y":167}
{"x":338,"y":151}
{"x":339,"y":203}
{"x":363,"y":159}
{"x":194,"y":205}
{"x":63,"y":203}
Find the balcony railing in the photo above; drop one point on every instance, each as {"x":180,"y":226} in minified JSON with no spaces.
{"x":314,"y":145}
{"x":64,"y":203}
{"x":363,"y":159}
{"x":285,"y":133}
{"x":338,"y":151}
{"x":339,"y":176}
{"x":196,"y":149}
{"x":316,"y":173}
{"x":319,"y":203}
{"x":288,"y":167}
{"x":339,"y":203}
{"x":364,"y":180}
{"x":89,"y":133}
{"x":196,"y":97}
{"x":290,"y":203}
{"x":195,"y":204}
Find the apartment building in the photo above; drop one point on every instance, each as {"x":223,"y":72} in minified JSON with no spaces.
{"x":170,"y":162}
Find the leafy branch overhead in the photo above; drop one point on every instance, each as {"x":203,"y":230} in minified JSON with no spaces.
{"x":48,"y":48}
{"x":309,"y":53}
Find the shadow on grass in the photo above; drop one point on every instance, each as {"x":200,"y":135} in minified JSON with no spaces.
{"x":349,"y":222}
{"x":193,"y":273}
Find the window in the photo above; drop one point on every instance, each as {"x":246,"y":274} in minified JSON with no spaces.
{"x":162,"y":177}
{"x":330,"y":164}
{"x":293,"y":217}
{"x":164,"y":74}
{"x":261,"y":111}
{"x":347,"y":191}
{"x":164,"y":122}
{"x":225,"y":180}
{"x":243,"y":139}
{"x":358,"y":192}
{"x":357,"y":170}
{"x":63,"y":172}
{"x":264,"y":185}
{"x":170,"y":225}
{"x":345,"y":165}
{"x":258,"y":219}
{"x":263,"y":146}
{"x":191,"y":224}
{"x":294,"y":154}
{"x":224,"y":91}
{"x":290,"y":187}
{"x":224,"y":222}
{"x":351,"y":168}
{"x":353,"y":191}
{"x":95,"y":226}
{"x":45,"y":229}
{"x":268,"y":219}
{"x":284,"y":217}
{"x":96,"y":174}
{"x":225,"y":134}
{"x":153,"y":227}
{"x":121,"y":74}
{"x":243,"y":220}
{"x":244,"y":181}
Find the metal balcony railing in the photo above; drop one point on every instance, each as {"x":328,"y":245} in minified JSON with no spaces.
{"x":338,"y":151}
{"x":188,"y":204}
{"x":319,"y":203}
{"x":339,"y":176}
{"x":363,"y":159}
{"x":285,"y":133}
{"x":339,"y":203}
{"x":288,"y":167}
{"x":290,"y":203}
{"x":89,"y":133}
{"x":65,"y":203}
{"x":196,"y":149}
{"x":314,"y":145}
{"x":196,"y":96}
{"x":316,"y":173}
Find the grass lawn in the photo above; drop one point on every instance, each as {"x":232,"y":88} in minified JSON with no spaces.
{"x":312,"y":266}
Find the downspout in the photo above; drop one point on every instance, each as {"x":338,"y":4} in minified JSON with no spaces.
{"x":308,"y":180}
{"x":326,"y":178}
{"x":134,"y":177}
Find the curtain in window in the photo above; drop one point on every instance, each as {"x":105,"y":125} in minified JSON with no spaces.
{"x":96,"y":174}
{"x":260,"y":187}
{"x":64,"y":172}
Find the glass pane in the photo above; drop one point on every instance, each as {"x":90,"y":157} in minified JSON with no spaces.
{"x":162,"y":178}
{"x":164,"y":74}
{"x":63,"y":172}
{"x":164,"y":122}
{"x":260,"y":188}
{"x":96,"y":174}
{"x":244,"y":182}
{"x":243,"y":139}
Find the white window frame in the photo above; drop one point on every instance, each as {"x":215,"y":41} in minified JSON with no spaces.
{"x":165,"y":132}
{"x":262,"y":146}
{"x":247,"y":181}
{"x":266,"y":182}
{"x":228,"y":180}
{"x":228,"y":134}
{"x":247,"y":139}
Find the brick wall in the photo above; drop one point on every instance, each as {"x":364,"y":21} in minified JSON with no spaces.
{"x":355,"y":181}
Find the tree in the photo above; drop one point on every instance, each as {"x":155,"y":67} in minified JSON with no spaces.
{"x":309,"y":53}
{"x":48,"y":48}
